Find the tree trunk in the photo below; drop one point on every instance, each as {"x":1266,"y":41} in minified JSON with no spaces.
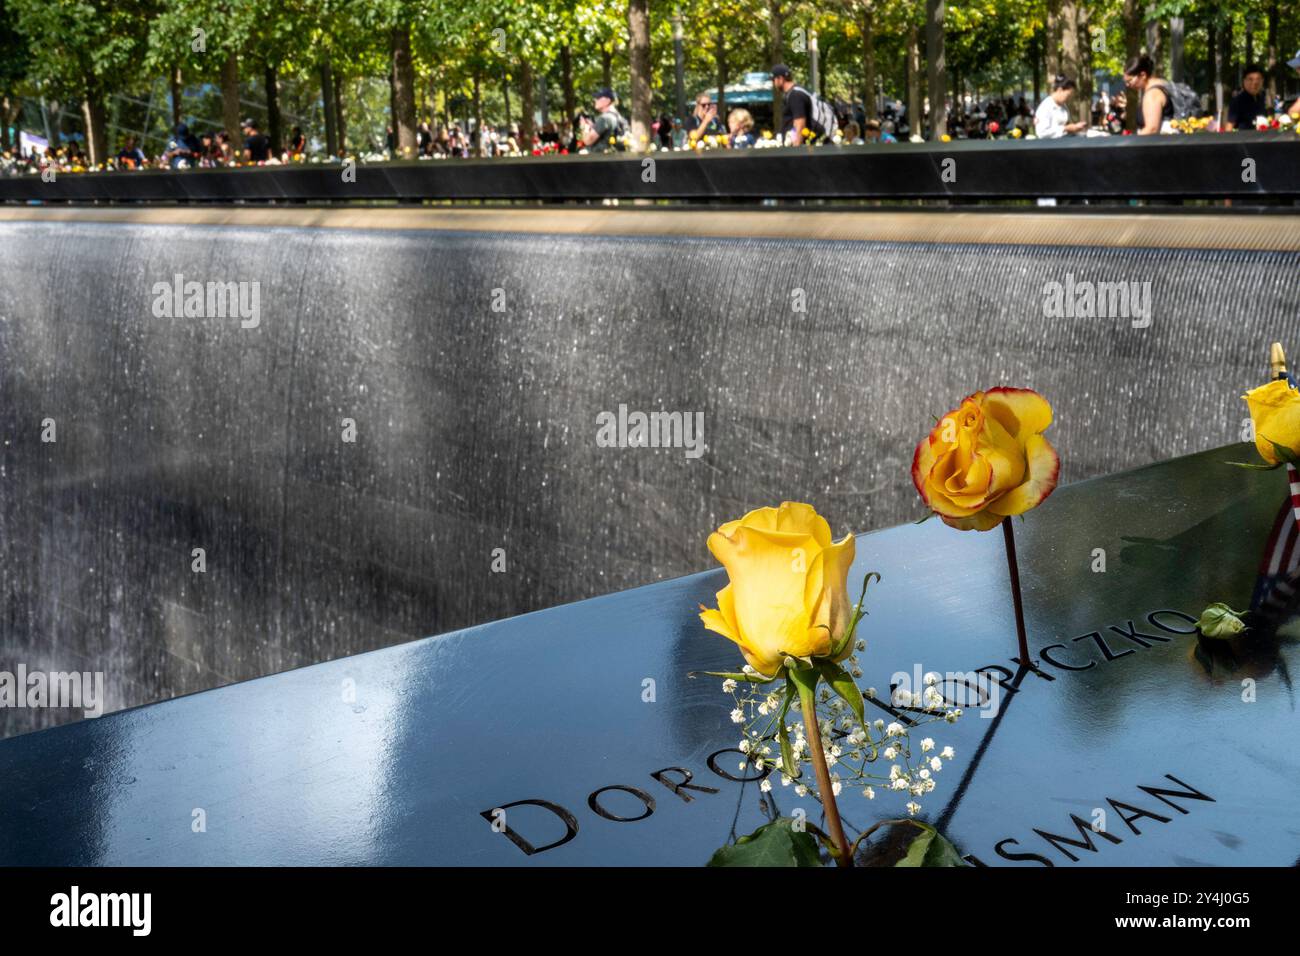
{"x":505,"y":97}
{"x":1071,"y":57}
{"x":92,"y":111}
{"x":720,"y":61}
{"x":230,"y":99}
{"x":1052,"y":44}
{"x":935,"y":67}
{"x":1272,"y":66}
{"x":566,"y":83}
{"x":1035,"y":45}
{"x":814,"y":64}
{"x":606,"y":68}
{"x":273,"y":129}
{"x":526,"y":105}
{"x":341,"y":126}
{"x":776,"y":54}
{"x":476,"y":142}
{"x":1153,"y":38}
{"x":914,"y":80}
{"x":1176,"y":70}
{"x":327,"y":107}
{"x":1085,"y":63}
{"x":868,"y":30}
{"x":1132,"y":48}
{"x":403,"y":92}
{"x":1222,"y":38}
{"x":177,"y":110}
{"x":638,"y":38}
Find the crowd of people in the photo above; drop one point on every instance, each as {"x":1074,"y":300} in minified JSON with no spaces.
{"x":1163,"y":107}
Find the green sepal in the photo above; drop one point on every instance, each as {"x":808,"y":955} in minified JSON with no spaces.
{"x":845,"y":687}
{"x":737,"y":676}
{"x":858,"y":614}
{"x":788,"y":763}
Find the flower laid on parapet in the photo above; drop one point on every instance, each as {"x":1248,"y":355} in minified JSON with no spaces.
{"x":986,"y":461}
{"x":788,"y":609}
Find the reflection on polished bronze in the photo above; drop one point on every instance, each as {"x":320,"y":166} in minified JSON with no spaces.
{"x":1128,"y":757}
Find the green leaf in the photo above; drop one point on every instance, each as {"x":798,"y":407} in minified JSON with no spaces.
{"x":930,"y":848}
{"x":774,"y":844}
{"x":805,"y":679}
{"x":842,"y":682}
{"x":1242,"y":464}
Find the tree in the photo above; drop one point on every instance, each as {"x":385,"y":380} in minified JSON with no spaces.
{"x":638,"y":34}
{"x":80,"y":49}
{"x":935,"y":67}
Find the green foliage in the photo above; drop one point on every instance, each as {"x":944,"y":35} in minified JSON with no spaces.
{"x":773,"y":844}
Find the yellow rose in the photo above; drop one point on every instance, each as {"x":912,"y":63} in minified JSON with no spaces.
{"x":1275,"y":410}
{"x":987,"y":459}
{"x":788,"y":590}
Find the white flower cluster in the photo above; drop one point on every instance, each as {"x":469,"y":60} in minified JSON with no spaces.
{"x":858,"y":755}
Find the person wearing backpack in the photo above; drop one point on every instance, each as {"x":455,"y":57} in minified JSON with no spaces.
{"x":803,"y":111}
{"x":1160,"y":101}
{"x":606,"y":134}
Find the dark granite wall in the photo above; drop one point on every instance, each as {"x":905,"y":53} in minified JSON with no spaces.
{"x":476,"y":428}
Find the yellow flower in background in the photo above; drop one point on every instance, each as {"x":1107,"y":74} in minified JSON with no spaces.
{"x":788,"y":590}
{"x":987,"y":459}
{"x":1275,"y":412}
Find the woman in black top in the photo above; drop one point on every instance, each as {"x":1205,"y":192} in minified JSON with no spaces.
{"x":1157,"y":104}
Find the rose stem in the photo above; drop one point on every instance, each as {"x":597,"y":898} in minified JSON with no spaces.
{"x":1009,"y":536}
{"x":813,"y":732}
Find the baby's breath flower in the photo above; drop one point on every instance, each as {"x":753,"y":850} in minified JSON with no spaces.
{"x":927,"y":745}
{"x":947,"y":753}
{"x":894,"y":730}
{"x":801,"y":791}
{"x":936,"y":764}
{"x":913,"y":808}
{"x":869,"y":793}
{"x":728,"y":686}
{"x":836,"y":787}
{"x":765,"y":786}
{"x":890,"y":753}
{"x":737,"y":716}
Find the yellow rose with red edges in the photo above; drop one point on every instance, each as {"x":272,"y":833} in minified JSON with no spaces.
{"x":1275,"y":412}
{"x":987,"y":459}
{"x":788,"y":590}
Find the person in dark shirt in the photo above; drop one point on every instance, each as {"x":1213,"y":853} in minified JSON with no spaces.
{"x":297,"y":142}
{"x":257,"y":148}
{"x":1250,"y":101}
{"x":130,"y":156}
{"x":798,"y":113}
{"x":605,"y":133}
